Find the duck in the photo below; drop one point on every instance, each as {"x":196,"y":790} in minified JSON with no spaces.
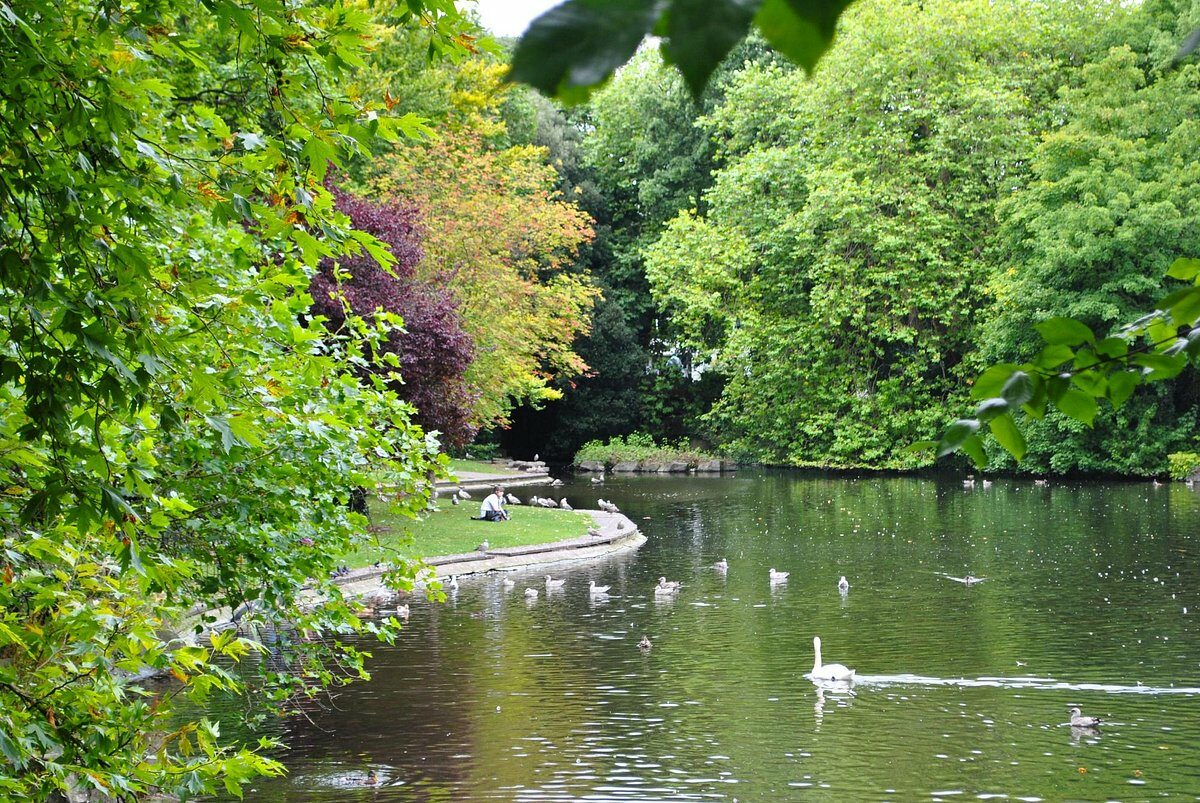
{"x":371,"y":780}
{"x":666,"y":586}
{"x":821,"y":671}
{"x":1078,"y":720}
{"x":645,"y":644}
{"x":531,"y":593}
{"x":778,"y":577}
{"x":596,"y":590}
{"x":722,"y":565}
{"x":843,"y":584}
{"x":552,"y":584}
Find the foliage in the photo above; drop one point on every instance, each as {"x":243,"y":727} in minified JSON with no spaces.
{"x":841,"y":263}
{"x":1183,"y":464}
{"x":425,"y":361}
{"x":639,"y":447}
{"x":170,"y":434}
{"x":501,"y":238}
{"x":576,"y":46}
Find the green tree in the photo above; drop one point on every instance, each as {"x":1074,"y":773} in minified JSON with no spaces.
{"x":171,"y":434}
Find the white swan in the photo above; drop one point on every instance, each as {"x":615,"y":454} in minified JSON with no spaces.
{"x":778,"y":577}
{"x":828,"y":671}
{"x":596,"y":590}
{"x":531,"y":593}
{"x":843,"y":584}
{"x":552,"y":584}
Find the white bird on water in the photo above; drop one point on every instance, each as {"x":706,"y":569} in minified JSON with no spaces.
{"x":531,"y":593}
{"x":722,"y":565}
{"x":452,"y":583}
{"x":552,"y":584}
{"x":843,"y":584}
{"x":508,"y":583}
{"x":666,"y":587}
{"x":1078,"y":720}
{"x":778,"y":577}
{"x":969,"y":580}
{"x":597,"y":591}
{"x":822,"y":671}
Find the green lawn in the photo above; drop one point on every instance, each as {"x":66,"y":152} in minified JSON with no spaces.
{"x":482,"y":467}
{"x":451,"y":530}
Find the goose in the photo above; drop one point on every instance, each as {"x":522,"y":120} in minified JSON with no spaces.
{"x":722,"y":565}
{"x":595,"y":590}
{"x":402,"y":611}
{"x":452,"y":583}
{"x":645,"y":644}
{"x":508,"y":583}
{"x":1078,"y":720}
{"x":563,"y":504}
{"x":531,"y":593}
{"x":552,"y":584}
{"x":778,"y":577}
{"x":843,"y":584}
{"x":828,"y":671}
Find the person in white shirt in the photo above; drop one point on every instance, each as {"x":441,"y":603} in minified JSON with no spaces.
{"x":492,"y":508}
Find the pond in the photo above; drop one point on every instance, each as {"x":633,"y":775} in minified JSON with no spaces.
{"x":1092,"y":599}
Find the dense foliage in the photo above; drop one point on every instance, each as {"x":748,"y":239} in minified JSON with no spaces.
{"x":171,"y":435}
{"x":424,"y":362}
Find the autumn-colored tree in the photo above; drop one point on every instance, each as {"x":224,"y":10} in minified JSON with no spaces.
{"x":501,"y":237}
{"x":425,"y":360}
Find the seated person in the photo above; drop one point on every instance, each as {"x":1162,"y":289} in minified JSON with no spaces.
{"x":492,"y":508}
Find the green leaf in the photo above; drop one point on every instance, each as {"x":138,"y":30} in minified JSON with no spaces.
{"x":1114,"y":348}
{"x":221,"y":425}
{"x":1184,"y":268}
{"x":802,"y":30}
{"x":1065,"y":332}
{"x":1052,"y":357}
{"x":992,"y":380}
{"x":972,"y":446}
{"x":919,"y":446}
{"x":1078,"y":405}
{"x":1006,"y":433}
{"x":576,"y":46}
{"x":1186,"y":309}
{"x":955,"y":434}
{"x":1121,"y":385}
{"x":1018,"y":389}
{"x":990,"y":408}
{"x":1159,"y":366}
{"x":700,"y":33}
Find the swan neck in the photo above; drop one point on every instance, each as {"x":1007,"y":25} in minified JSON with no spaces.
{"x":816,"y":654}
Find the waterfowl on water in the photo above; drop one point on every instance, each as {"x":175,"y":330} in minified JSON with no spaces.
{"x":551,"y":583}
{"x":508,"y":583}
{"x":402,"y":611}
{"x":531,"y":593}
{"x":452,"y":583}
{"x":665,"y":587}
{"x":596,"y":590}
{"x":1078,"y":720}
{"x":843,"y":584}
{"x":645,"y":644}
{"x":822,"y":671}
{"x":371,"y":779}
{"x":969,"y":580}
{"x":777,"y":577}
{"x":722,"y":565}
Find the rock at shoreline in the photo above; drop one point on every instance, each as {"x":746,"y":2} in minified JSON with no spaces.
{"x":627,"y":466}
{"x":591,"y":465}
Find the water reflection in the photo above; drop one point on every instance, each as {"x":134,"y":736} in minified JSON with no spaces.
{"x":496,"y":697}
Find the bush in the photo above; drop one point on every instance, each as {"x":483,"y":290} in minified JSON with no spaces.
{"x":639,"y":447}
{"x":1183,"y":464}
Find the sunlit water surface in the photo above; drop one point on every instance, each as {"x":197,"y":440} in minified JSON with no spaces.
{"x":1091,"y":599}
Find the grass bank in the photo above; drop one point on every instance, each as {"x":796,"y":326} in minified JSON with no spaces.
{"x":450,"y":531}
{"x":482,"y":467}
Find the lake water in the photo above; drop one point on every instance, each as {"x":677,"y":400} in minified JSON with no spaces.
{"x":1092,"y":599}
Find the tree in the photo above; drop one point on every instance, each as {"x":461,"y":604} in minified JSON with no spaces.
{"x":170,"y":435}
{"x":425,"y":361}
{"x":502,"y":239}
